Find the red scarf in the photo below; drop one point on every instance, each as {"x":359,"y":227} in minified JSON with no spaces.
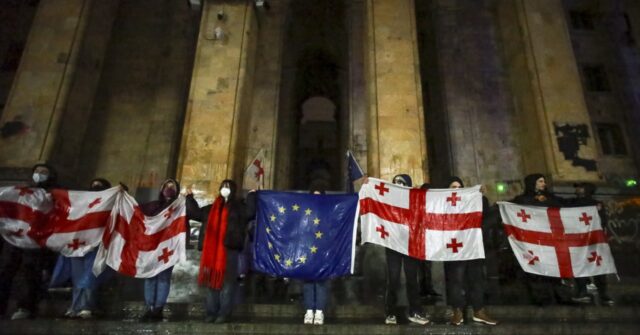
{"x":214,"y":256}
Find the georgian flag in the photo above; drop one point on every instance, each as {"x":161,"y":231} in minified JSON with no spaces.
{"x":254,"y":174}
{"x":434,"y":224}
{"x":24,"y":216}
{"x":142,"y":246}
{"x":79,"y":219}
{"x":557,"y":242}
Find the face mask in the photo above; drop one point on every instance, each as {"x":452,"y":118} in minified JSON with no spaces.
{"x":169,"y":193}
{"x":225,"y":192}
{"x":39,"y":178}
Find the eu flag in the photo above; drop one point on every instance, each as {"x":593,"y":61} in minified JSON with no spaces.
{"x":305,"y":236}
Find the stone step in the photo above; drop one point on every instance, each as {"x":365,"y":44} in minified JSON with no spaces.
{"x":294,"y":326}
{"x":195,"y":311}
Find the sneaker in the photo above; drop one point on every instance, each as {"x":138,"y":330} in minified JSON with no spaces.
{"x":390,"y":320}
{"x":419,"y":319}
{"x":85,"y":314}
{"x":308,"y":317}
{"x":21,"y":314}
{"x":592,"y":287}
{"x":457,"y":318}
{"x":582,"y":299}
{"x":318,"y":318}
{"x":482,"y":317}
{"x":69,"y":313}
{"x":607,"y":301}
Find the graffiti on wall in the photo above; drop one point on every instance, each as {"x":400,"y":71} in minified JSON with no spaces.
{"x":624,"y":220}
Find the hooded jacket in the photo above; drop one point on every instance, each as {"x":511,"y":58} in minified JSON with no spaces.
{"x":532,"y":197}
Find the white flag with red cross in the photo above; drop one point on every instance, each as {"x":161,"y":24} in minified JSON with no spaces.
{"x":142,"y":246}
{"x":254,"y":174}
{"x":557,"y":242}
{"x":24,"y":216}
{"x":79,"y":219}
{"x":434,"y":224}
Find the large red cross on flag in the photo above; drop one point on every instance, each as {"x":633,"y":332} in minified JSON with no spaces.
{"x":142,"y":246}
{"x":435,"y":224}
{"x":557,"y":242}
{"x":79,"y":219}
{"x":24,"y":216}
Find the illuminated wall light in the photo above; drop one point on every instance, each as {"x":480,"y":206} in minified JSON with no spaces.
{"x":501,"y":187}
{"x":631,"y":183}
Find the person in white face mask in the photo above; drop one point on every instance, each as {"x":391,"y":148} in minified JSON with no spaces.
{"x":32,"y":261}
{"x":222,"y":236}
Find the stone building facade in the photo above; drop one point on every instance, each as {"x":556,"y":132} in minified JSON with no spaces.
{"x":489,"y":90}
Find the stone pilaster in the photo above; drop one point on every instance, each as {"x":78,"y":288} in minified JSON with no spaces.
{"x":396,"y":142}
{"x":553,"y":120}
{"x":43,"y":80}
{"x":214,"y":132}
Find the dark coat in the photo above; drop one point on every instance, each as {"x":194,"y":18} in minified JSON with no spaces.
{"x":240,"y":212}
{"x":531,"y":197}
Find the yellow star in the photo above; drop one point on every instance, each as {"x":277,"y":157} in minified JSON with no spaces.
{"x":281,"y":209}
{"x":268,"y":230}
{"x":273,"y":217}
{"x":288,"y":262}
{"x":277,"y":257}
{"x":318,"y":234}
{"x":313,"y":249}
{"x":302,"y":259}
{"x":307,"y":211}
{"x":316,"y":221}
{"x":295,"y":207}
{"x":270,"y":245}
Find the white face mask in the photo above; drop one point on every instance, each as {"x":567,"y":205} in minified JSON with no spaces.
{"x":225,"y":192}
{"x":39,"y":178}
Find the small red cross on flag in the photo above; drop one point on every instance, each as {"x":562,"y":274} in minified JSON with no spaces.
{"x":453,"y":199}
{"x":75,"y":244}
{"x":95,"y":202}
{"x":454,"y":245}
{"x":524,"y":216}
{"x":531,"y":257}
{"x":595,"y":258}
{"x":383,"y":233}
{"x":381,"y":189}
{"x":586,"y":219}
{"x":166,"y":253}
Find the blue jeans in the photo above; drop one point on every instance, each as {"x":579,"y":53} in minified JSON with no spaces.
{"x":84,"y":294}
{"x":218,"y":303}
{"x":315,"y":295}
{"x":156,"y":289}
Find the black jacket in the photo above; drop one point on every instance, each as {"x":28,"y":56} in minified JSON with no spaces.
{"x":532,"y":197}
{"x":240,"y":212}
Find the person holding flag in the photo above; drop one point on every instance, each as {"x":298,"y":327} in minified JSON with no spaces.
{"x":395,"y":261}
{"x":33,"y":260}
{"x":85,"y":283}
{"x":469,"y":274}
{"x":156,"y":288}
{"x":222,"y":236}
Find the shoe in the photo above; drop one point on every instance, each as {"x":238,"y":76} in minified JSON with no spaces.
{"x":308,"y":317}
{"x":85,"y":314}
{"x":419,"y":319}
{"x":390,"y":320}
{"x":147,"y":316}
{"x":592,"y":287}
{"x":482,"y":317}
{"x":157,"y":314}
{"x":457,"y":318}
{"x":582,"y":299}
{"x":220,"y":320}
{"x":21,"y":314}
{"x":318,"y":318}
{"x":69,"y":314}
{"x":607,"y":301}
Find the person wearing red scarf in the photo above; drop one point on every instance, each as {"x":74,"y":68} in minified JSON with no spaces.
{"x":222,"y":237}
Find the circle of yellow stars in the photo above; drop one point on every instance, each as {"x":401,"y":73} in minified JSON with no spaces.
{"x":313,"y":249}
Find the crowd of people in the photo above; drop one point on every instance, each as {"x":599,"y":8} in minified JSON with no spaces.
{"x":222,"y":238}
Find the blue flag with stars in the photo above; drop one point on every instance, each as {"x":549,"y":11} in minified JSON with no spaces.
{"x":305,"y":236}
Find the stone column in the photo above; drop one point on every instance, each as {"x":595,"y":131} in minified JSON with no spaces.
{"x":396,"y":138}
{"x":42,"y":82}
{"x":215,"y":125}
{"x":553,"y":120}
